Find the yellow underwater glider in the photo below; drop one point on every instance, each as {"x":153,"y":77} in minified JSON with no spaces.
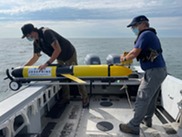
{"x":76,"y":73}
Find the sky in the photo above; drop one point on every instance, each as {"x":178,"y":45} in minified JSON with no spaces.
{"x":90,"y":18}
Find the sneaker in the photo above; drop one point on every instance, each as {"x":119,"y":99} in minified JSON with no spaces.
{"x":147,"y":122}
{"x":85,"y":103}
{"x":125,"y":128}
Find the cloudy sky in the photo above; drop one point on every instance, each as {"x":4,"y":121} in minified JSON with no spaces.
{"x":90,"y":18}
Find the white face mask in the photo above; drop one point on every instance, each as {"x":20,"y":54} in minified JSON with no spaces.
{"x":30,"y":39}
{"x":135,"y":31}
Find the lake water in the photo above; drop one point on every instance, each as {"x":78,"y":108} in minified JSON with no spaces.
{"x":15,"y":52}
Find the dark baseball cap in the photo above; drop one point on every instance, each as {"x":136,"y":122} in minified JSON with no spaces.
{"x":137,"y":20}
{"x":27,"y":29}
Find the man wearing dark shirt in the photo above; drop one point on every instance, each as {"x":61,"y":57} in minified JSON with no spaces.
{"x":57,"y":48}
{"x":147,"y":49}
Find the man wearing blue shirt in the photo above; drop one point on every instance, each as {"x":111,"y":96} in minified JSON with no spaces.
{"x":147,"y":49}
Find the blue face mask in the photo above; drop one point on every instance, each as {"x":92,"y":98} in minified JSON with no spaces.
{"x":30,"y":39}
{"x":135,"y":31}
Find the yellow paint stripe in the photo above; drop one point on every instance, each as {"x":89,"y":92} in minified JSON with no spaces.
{"x":53,"y":72}
{"x":90,"y":70}
{"x":118,"y":70}
{"x":25,"y":70}
{"x":73,"y":78}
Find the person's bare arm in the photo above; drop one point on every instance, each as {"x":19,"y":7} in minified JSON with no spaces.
{"x":55,"y":54}
{"x":34,"y":59}
{"x":57,"y":51}
{"x":131,"y":55}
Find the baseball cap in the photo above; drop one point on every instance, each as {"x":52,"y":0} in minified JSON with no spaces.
{"x":137,"y":20}
{"x":27,"y":29}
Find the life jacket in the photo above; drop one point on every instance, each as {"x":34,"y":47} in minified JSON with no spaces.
{"x":150,"y":54}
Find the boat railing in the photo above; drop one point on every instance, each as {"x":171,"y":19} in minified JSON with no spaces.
{"x":25,"y":108}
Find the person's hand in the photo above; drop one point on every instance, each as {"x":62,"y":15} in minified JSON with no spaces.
{"x":41,"y":67}
{"x":122,"y":58}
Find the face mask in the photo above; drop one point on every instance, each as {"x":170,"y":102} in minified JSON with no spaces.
{"x":30,"y":39}
{"x":135,"y":31}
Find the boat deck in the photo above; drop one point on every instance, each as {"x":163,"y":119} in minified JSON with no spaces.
{"x":102,"y":119}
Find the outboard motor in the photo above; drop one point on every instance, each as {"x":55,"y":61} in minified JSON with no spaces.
{"x":92,"y":59}
{"x":113,"y":59}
